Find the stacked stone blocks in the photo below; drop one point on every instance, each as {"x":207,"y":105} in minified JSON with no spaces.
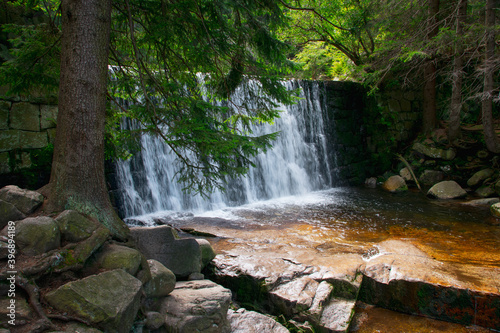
{"x":25,"y":126}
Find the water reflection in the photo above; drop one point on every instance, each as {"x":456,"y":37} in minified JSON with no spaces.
{"x":344,"y":218}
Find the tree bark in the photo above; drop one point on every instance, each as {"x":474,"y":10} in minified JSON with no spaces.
{"x":429,"y":112}
{"x":77,"y":178}
{"x":490,"y":137}
{"x":457,"y":75}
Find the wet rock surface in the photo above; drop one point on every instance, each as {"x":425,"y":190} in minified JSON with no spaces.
{"x":315,"y":274}
{"x":244,"y":321}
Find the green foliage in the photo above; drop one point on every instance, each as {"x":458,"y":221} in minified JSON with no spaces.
{"x":32,"y":61}
{"x":158,"y":63}
{"x":319,"y":60}
{"x":177,"y":65}
{"x":38,"y":173}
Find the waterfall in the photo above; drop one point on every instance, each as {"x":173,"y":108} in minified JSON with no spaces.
{"x":298,"y":163}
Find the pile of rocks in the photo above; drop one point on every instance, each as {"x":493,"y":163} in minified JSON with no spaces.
{"x":437,"y":170}
{"x":65,"y":273}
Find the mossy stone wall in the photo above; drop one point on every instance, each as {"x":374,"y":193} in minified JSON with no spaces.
{"x":27,"y":130}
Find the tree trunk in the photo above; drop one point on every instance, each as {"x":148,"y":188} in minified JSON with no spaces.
{"x":490,"y":137}
{"x":429,"y":112}
{"x":77,"y":178}
{"x":457,"y":75}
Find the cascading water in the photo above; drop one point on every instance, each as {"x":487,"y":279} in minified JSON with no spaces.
{"x":298,"y":163}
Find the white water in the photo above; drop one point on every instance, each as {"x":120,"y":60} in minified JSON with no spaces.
{"x":297,"y":164}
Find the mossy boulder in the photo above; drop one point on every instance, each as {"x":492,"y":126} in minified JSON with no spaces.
{"x":26,"y":201}
{"x":485,"y":191}
{"x":37,"y":235}
{"x":495,"y":210}
{"x":114,"y":256}
{"x":9,"y":212}
{"x":74,"y":226}
{"x":446,"y":190}
{"x":431,"y":177}
{"x":162,"y":280}
{"x":154,"y":320}
{"x":478,"y":178}
{"x":432,"y":152}
{"x":207,"y":252}
{"x":109,"y":300}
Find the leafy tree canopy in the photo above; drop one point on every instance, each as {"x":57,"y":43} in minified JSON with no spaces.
{"x":176,"y":63}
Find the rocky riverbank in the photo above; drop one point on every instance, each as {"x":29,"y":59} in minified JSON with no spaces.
{"x":445,"y":173}
{"x":69,"y":275}
{"x":64,"y":273}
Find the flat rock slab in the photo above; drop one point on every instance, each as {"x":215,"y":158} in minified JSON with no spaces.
{"x":405,"y":279}
{"x":182,"y":256}
{"x":197,"y":306}
{"x":264,"y":258}
{"x":244,"y":321}
{"x":336,"y":315}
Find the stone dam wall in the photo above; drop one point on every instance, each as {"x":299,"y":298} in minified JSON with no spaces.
{"x":27,"y":131}
{"x":359,"y":127}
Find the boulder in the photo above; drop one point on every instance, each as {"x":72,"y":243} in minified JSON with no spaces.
{"x":22,"y":310}
{"x":444,"y":154}
{"x":487,"y":202}
{"x":337,"y":314}
{"x":74,"y":226}
{"x":316,"y":302}
{"x":495,"y":210}
{"x":197,"y":306}
{"x":406,"y":174}
{"x":37,"y":235}
{"x":207,"y":252}
{"x":244,"y":321}
{"x":181,"y":256}
{"x":114,"y":256}
{"x":431,"y":177}
{"x":478,"y":178}
{"x":395,"y":184}
{"x":446,"y":190}
{"x":4,"y":250}
{"x":295,"y":296}
{"x":80,"y":328}
{"x":109,"y":300}
{"x":485,"y":191}
{"x":196,"y":276}
{"x":26,"y":201}
{"x":162,"y":280}
{"x":154,"y":320}
{"x":9,"y":212}
{"x":371,"y":182}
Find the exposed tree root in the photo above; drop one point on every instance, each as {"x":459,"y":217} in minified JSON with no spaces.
{"x":33,"y":292}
